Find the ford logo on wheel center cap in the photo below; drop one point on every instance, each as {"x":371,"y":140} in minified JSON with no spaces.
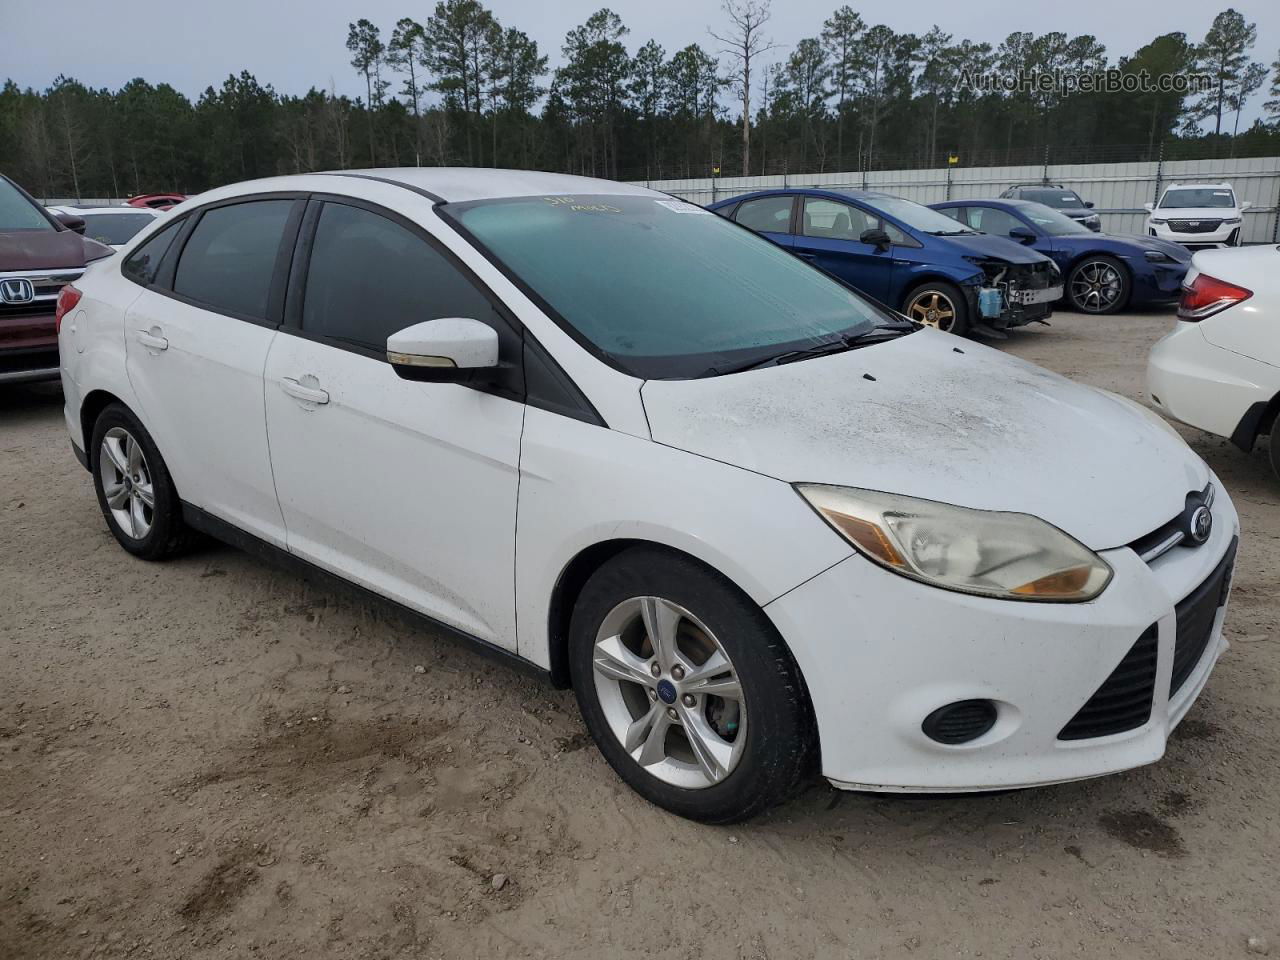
{"x":667,"y":691}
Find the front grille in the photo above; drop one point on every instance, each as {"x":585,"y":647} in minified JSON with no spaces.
{"x":1196,"y":615}
{"x":1169,"y":535}
{"x":1123,"y":702}
{"x":32,"y":308}
{"x":1194,"y":226}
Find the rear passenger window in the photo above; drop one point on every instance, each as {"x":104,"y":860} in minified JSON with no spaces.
{"x":770,"y":214}
{"x":144,"y":263}
{"x":230,"y":257}
{"x":369,"y":277}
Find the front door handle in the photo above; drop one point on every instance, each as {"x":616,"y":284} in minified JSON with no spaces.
{"x":807,"y":256}
{"x":309,"y":394}
{"x":152,"y":341}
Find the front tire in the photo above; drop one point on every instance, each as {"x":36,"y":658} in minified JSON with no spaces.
{"x":1099,"y":285}
{"x":688,"y":690}
{"x":135,"y":491}
{"x":939,"y":305}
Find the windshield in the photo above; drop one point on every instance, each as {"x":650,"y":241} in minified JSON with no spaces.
{"x":115,"y":228}
{"x":1204,"y":197}
{"x":1052,"y":222}
{"x":19,"y":213}
{"x":915,"y":215}
{"x":1058,"y":199}
{"x":662,"y":288}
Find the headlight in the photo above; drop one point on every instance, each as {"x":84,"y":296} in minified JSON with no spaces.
{"x":1011,"y":556}
{"x":1157,"y":256}
{"x":1232,"y":220}
{"x":1160,"y":220}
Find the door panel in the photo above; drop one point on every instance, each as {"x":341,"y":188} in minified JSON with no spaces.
{"x":829,"y":239}
{"x":198,"y":377}
{"x":406,"y":488}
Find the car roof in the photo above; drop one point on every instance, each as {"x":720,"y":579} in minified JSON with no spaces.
{"x":841,"y":194}
{"x":96,"y":211}
{"x":990,"y":201}
{"x":1199,"y":186}
{"x":459,"y":184}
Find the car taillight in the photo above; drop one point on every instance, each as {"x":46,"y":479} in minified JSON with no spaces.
{"x":68,"y":297}
{"x":1208,"y":295}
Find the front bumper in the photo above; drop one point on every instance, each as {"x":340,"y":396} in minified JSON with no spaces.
{"x":879,"y":653}
{"x":1203,"y":385}
{"x":1226,"y":235}
{"x":28,"y":346}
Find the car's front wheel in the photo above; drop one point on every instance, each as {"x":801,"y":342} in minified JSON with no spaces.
{"x":134,"y":488}
{"x":688,"y":690}
{"x":939,"y":305}
{"x":1098,"y":285}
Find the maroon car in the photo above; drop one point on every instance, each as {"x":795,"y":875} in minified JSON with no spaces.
{"x":39,"y":254}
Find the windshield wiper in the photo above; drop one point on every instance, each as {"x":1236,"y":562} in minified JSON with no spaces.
{"x":885,"y":331}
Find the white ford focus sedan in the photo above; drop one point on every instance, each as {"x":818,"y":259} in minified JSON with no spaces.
{"x":760,"y":525}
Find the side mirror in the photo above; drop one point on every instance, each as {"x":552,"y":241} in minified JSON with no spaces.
{"x":447,"y":350}
{"x":70,"y":221}
{"x":876,"y":238}
{"x":1246,"y":205}
{"x":1148,"y":206}
{"x":1089,"y":204}
{"x":1023,"y":235}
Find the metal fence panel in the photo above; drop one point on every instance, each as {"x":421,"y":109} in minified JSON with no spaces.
{"x":1118,"y":190}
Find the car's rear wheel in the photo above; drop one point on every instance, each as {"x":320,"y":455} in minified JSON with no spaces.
{"x":687,"y":689}
{"x":1098,"y":285}
{"x":939,"y":305}
{"x":135,"y":491}
{"x":1274,"y":452}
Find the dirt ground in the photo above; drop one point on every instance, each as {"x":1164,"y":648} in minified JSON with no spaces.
{"x":214,"y":758}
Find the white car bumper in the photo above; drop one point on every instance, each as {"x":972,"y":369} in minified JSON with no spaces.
{"x":1226,"y":234}
{"x":875,"y":670}
{"x":1204,"y":385}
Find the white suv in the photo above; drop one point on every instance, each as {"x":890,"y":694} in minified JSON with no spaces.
{"x":646,"y":452}
{"x":1197,"y":215}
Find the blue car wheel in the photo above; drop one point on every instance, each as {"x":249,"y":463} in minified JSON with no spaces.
{"x":1099,"y":285}
{"x":940,"y":305}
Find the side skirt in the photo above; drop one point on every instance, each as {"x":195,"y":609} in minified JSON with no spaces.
{"x":232,"y":535}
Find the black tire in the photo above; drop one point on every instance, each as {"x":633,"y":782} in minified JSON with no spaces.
{"x":1086,"y":291}
{"x":167,"y":534}
{"x":1274,"y":452}
{"x":933,"y":296}
{"x":780,"y":740}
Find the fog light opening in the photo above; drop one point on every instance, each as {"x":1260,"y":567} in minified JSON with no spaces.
{"x":960,"y":722}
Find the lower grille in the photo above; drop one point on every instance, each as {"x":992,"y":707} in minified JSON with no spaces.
{"x":1194,"y":226}
{"x":1196,"y":615}
{"x":1123,"y":702}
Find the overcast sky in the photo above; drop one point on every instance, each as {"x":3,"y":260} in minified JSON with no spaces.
{"x":192,"y":44}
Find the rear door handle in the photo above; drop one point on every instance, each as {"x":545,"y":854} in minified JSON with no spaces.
{"x":807,"y":256}
{"x":310,"y":394}
{"x":151,"y":341}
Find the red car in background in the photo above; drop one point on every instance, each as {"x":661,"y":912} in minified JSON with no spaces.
{"x":156,"y":201}
{"x":40,"y":253}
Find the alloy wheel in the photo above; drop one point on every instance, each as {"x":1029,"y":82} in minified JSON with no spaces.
{"x":126,"y":483}
{"x":933,"y":309}
{"x":669,"y":692}
{"x":1095,"y":286}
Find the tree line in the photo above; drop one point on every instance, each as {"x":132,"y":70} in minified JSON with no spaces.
{"x":462,"y":88}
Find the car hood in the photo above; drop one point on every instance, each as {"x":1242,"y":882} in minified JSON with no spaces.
{"x":986,"y":245}
{"x":41,"y":249}
{"x":1125,"y":246}
{"x":943,"y":419}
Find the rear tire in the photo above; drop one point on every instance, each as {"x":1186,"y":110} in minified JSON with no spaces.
{"x":135,"y":491}
{"x":1274,"y":452}
{"x":939,"y":305}
{"x":685,"y":754}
